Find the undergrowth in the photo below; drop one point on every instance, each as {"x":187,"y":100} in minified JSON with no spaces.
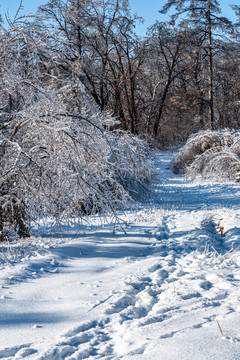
{"x":210,"y":154}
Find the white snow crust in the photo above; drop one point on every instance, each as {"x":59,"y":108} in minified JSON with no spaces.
{"x":162,"y":286}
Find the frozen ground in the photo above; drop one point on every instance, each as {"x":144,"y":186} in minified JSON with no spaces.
{"x":168,"y":288}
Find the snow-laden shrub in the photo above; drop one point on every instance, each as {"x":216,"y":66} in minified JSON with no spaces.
{"x":62,"y":163}
{"x":236,"y":144}
{"x":132,"y":161}
{"x":198,"y":144}
{"x":220,"y":163}
{"x":58,"y":155}
{"x":210,"y":154}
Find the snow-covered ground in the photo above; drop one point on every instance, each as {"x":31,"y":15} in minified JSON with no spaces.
{"x":165,"y":285}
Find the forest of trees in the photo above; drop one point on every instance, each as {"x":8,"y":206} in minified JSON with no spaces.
{"x":79,"y":89}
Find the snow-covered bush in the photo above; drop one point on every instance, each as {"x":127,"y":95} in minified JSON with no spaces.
{"x":217,"y":163}
{"x":62,"y":164}
{"x":236,"y":144}
{"x":132,"y":161}
{"x":210,"y":154}
{"x":59,"y":155}
{"x":198,"y":144}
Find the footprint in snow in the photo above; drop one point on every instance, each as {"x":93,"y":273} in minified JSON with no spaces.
{"x":18,"y":352}
{"x":191,"y":296}
{"x":134,"y":312}
{"x":81,"y":328}
{"x":88,"y":340}
{"x":206,"y":285}
{"x":155,"y":267}
{"x":221,"y":295}
{"x":155,"y":319}
{"x":160,"y":276}
{"x":121,"y":303}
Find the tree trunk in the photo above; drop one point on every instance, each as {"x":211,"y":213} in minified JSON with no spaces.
{"x":210,"y":67}
{"x":159,"y":116}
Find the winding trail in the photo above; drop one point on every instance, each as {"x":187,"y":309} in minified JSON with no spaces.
{"x":157,"y":292}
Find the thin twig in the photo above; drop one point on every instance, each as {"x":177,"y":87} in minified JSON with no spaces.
{"x":220,"y":328}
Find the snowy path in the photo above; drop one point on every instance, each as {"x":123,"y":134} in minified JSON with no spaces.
{"x":160,"y":291}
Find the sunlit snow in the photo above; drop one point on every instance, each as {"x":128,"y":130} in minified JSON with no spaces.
{"x":163,"y":285}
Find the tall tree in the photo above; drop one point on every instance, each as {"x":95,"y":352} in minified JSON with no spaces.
{"x":166,"y":47}
{"x":236,"y":9}
{"x":204,"y":15}
{"x":94,"y":40}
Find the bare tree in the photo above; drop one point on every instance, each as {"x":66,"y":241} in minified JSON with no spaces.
{"x":95,"y":41}
{"x":166,"y":47}
{"x":203,"y":14}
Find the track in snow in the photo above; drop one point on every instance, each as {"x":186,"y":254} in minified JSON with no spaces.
{"x":159,"y":289}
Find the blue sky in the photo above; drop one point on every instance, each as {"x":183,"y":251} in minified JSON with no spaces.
{"x":148,"y":9}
